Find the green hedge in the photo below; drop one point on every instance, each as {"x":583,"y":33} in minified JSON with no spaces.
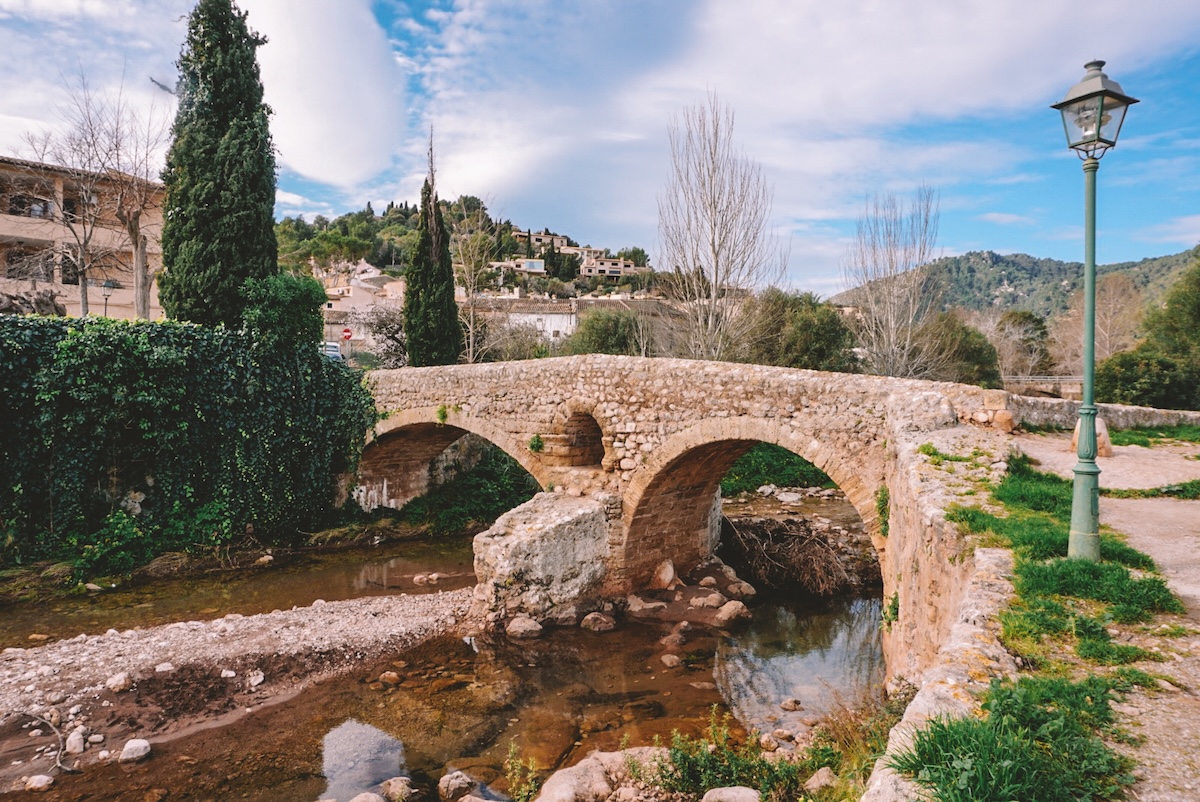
{"x":122,"y":439}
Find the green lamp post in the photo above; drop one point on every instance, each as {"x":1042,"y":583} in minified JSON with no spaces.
{"x":1092,"y":113}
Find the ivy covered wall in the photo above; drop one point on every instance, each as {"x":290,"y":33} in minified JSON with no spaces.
{"x":121,"y":440}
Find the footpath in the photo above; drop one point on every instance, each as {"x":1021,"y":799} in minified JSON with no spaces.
{"x":1165,"y":722}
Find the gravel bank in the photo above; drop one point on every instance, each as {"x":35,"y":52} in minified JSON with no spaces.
{"x":298,"y":646}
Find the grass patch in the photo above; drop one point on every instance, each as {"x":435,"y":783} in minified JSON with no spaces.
{"x":1039,"y":740}
{"x":768,"y":464}
{"x":938,"y":457}
{"x":1184,"y":490}
{"x":1148,"y":436}
{"x":1108,"y":582}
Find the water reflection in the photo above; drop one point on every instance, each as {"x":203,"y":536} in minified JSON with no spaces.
{"x":357,"y":758}
{"x":297,"y":580}
{"x":800,"y":651}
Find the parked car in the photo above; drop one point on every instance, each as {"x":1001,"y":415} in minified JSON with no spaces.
{"x":333,"y":350}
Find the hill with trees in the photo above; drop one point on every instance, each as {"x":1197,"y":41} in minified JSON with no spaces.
{"x":985,"y":279}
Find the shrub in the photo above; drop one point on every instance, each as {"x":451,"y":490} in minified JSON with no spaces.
{"x":1145,"y":377}
{"x":695,"y":765}
{"x":165,"y":427}
{"x":478,"y":496}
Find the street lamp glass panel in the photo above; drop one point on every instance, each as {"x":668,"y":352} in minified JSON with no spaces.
{"x":1093,"y":123}
{"x":1093,"y":112}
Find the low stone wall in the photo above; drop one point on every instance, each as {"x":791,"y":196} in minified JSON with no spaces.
{"x":965,"y":664}
{"x":544,"y":559}
{"x":1061,"y":414}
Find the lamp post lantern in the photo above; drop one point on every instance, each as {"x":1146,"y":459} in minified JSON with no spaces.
{"x":1092,"y":114}
{"x":106,"y":289}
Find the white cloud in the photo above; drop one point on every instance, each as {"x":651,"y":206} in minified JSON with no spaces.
{"x":335,"y":87}
{"x":1180,"y":231}
{"x":1005,"y":219}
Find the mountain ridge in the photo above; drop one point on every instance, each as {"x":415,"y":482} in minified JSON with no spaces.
{"x":986,"y":279}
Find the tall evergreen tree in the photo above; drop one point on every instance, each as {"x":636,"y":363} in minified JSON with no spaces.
{"x":219,"y":216}
{"x":431,"y":324}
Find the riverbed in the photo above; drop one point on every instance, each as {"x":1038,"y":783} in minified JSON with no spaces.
{"x":460,"y":703}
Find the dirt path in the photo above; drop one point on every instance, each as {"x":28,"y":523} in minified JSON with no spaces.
{"x":1167,"y":720}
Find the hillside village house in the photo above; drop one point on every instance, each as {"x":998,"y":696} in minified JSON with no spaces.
{"x":39,"y":206}
{"x":592,"y":261}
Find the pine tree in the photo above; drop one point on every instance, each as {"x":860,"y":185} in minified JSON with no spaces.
{"x":431,"y":324}
{"x":219,"y":216}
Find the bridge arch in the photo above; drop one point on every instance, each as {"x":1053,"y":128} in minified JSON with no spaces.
{"x":676,"y":490}
{"x":394,"y":468}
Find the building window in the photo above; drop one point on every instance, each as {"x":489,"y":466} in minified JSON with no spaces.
{"x":30,"y":206}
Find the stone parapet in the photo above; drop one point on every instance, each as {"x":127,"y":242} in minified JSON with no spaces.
{"x":1059,"y":413}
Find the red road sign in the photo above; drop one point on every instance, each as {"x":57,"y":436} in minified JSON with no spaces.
{"x":347,"y":334}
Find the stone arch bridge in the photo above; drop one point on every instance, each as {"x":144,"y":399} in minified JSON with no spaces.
{"x":652,"y":439}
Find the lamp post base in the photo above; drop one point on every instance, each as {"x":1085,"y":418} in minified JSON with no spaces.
{"x":1084,"y":542}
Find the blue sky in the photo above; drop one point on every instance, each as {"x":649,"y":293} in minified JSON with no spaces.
{"x":556,"y":113}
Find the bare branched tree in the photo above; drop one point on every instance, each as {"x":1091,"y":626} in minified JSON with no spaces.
{"x":138,"y":142}
{"x":714,"y":218}
{"x":384,"y":323}
{"x":1119,"y":314}
{"x":1020,"y":339}
{"x":894,"y":296}
{"x":472,"y":247}
{"x":69,"y":170}
{"x":98,"y":169}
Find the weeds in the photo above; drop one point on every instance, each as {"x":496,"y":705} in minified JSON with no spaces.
{"x":1040,"y":739}
{"x":891,"y":613}
{"x":848,"y":741}
{"x":883,"y":508}
{"x":536,"y":444}
{"x":694,"y":765}
{"x":523,"y":780}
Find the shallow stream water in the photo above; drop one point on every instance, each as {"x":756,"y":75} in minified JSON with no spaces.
{"x":461,"y":703}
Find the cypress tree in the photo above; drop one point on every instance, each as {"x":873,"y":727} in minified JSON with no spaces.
{"x":431,"y":325}
{"x":219,"y":215}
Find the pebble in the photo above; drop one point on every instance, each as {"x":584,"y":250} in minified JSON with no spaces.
{"x":164,"y":668}
{"x":39,"y":782}
{"x":671,"y":660}
{"x":76,"y":743}
{"x":118,"y":682}
{"x":228,"y":673}
{"x":598,"y":622}
{"x":135,"y":749}
{"x":256,"y":678}
{"x":95,"y":738}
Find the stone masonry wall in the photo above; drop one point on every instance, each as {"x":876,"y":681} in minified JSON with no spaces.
{"x":1061,"y":414}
